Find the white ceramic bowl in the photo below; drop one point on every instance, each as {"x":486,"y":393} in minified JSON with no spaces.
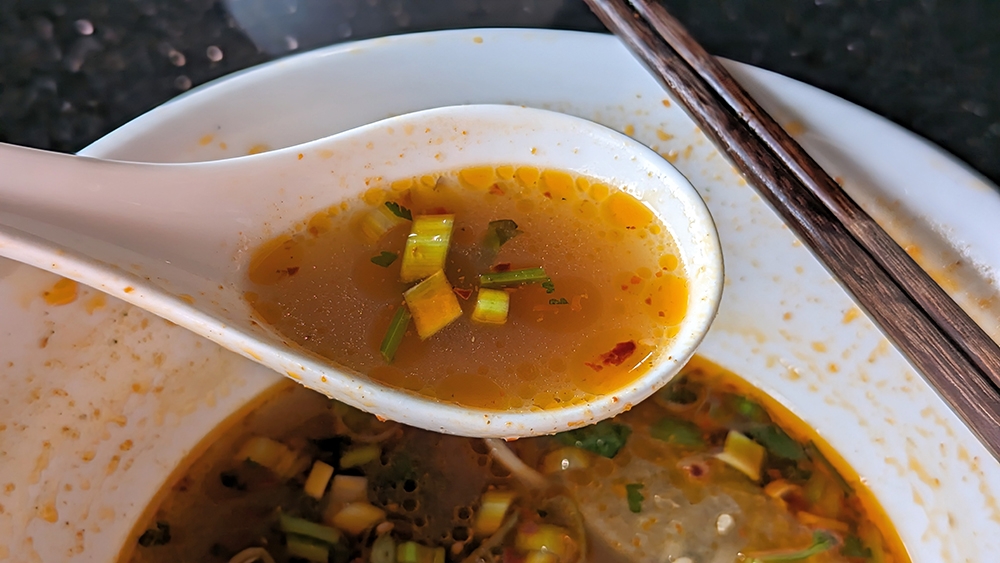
{"x":96,"y":421}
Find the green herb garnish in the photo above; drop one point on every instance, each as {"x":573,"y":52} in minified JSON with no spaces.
{"x":634,"y":497}
{"x":854,"y":548}
{"x":560,"y":301}
{"x":679,"y":432}
{"x":399,"y":211}
{"x":498,"y":233}
{"x":604,"y":438}
{"x":394,"y":335}
{"x":777,"y":442}
{"x":514,"y":278}
{"x":384,"y":258}
{"x":548,"y":285}
{"x":822,"y":541}
{"x":160,"y":535}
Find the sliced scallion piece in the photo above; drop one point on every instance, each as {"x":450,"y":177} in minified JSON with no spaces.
{"x":359,"y":456}
{"x":514,"y":278}
{"x":491,"y":306}
{"x":379,"y":221}
{"x":413,"y":552}
{"x":394,"y":335}
{"x":305,"y":528}
{"x":743,"y":454}
{"x":426,"y":247}
{"x":433,"y":304}
{"x":492,"y":510}
{"x":308,"y":549}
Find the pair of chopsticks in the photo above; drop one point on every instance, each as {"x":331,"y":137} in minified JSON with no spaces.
{"x":951,"y":351}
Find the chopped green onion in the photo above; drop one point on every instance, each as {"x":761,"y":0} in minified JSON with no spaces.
{"x":426,"y":247}
{"x":274,"y":455}
{"x":634,"y":496}
{"x":822,"y":541}
{"x":357,"y":517}
{"x":399,"y":211}
{"x":304,"y":548}
{"x":491,"y":306}
{"x":743,"y":453}
{"x":413,"y":552}
{"x":541,"y":557}
{"x":514,"y":278}
{"x":384,"y":258}
{"x":394,"y":335}
{"x":679,"y":432}
{"x":433,"y":304}
{"x":379,"y":221}
{"x":360,"y":456}
{"x":778,"y":442}
{"x":348,"y":488}
{"x":498,"y":233}
{"x":543,"y":537}
{"x":305,"y":528}
{"x":491,"y":512}
{"x":318,"y":478}
{"x":605,"y":438}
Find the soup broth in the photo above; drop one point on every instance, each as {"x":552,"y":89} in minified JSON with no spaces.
{"x":708,"y":470}
{"x":613,"y":289}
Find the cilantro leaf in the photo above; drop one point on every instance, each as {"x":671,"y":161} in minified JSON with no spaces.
{"x":384,"y":258}
{"x":604,"y":438}
{"x":399,"y":211}
{"x":678,"y":432}
{"x":822,"y":541}
{"x":549,"y":286}
{"x":634,"y":497}
{"x":499,"y":232}
{"x":777,"y":442}
{"x":561,"y":301}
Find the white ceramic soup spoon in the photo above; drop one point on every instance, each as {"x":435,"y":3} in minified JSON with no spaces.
{"x":175,"y":239}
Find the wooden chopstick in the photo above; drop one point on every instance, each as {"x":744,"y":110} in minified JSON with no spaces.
{"x":951,"y":351}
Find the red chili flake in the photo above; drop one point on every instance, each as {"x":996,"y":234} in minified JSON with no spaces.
{"x":696,"y":469}
{"x":618,"y":354}
{"x":462,"y":292}
{"x":649,"y":301}
{"x":624,"y":288}
{"x":496,"y":190}
{"x":594,"y":367}
{"x":635,"y":280}
{"x":548,"y":195}
{"x":501,"y":267}
{"x":293,"y":270}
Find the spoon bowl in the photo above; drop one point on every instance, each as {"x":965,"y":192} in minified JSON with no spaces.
{"x":176,"y":239}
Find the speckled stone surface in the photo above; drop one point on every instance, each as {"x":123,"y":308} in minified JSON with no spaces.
{"x":73,"y":70}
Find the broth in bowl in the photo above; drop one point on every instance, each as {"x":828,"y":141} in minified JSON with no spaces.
{"x":708,"y":470}
{"x":527,"y":288}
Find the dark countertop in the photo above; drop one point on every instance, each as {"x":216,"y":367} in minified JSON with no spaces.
{"x":73,"y":70}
